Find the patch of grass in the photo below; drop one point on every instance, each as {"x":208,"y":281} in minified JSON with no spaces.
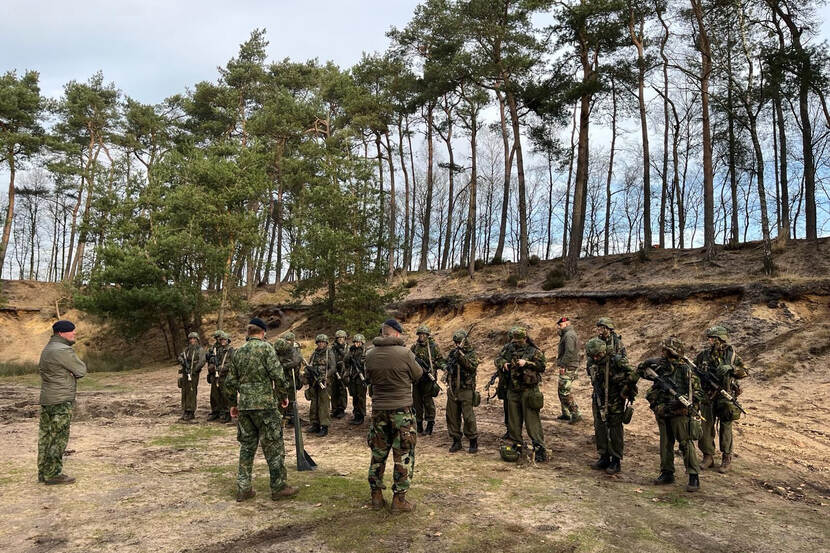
{"x":17,"y":369}
{"x":410,"y":283}
{"x":185,"y":435}
{"x":95,"y":362}
{"x":494,"y":483}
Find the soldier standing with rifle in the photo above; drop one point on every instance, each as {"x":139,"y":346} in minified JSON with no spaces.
{"x":192,"y":359}
{"x":321,"y":369}
{"x":719,"y":367}
{"x":567,"y":360}
{"x":503,"y":378}
{"x":674,"y":398}
{"x":525,"y":363}
{"x":424,"y":392}
{"x":215,"y":394}
{"x":355,"y":369}
{"x":290,"y":360}
{"x":462,"y":397}
{"x":338,"y":386}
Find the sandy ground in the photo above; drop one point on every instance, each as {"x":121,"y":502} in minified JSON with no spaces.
{"x":149,"y":483}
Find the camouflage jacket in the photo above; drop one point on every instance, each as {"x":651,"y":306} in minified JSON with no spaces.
{"x":614,"y":346}
{"x":340,"y":351}
{"x":724,"y":365}
{"x":321,"y":367}
{"x":192,"y":359}
{"x":355,"y":362}
{"x":219,"y":360}
{"x":568,"y":351}
{"x":461,"y":366}
{"x":522,"y":378}
{"x":422,"y":355}
{"x":257,"y":376}
{"x":622,"y":382}
{"x":677,"y":373}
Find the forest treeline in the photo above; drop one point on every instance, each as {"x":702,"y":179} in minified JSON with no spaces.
{"x":489,"y":130}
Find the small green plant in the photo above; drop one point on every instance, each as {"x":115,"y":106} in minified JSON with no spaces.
{"x":555,"y":278}
{"x":534,"y":260}
{"x":497,"y":261}
{"x":513,"y":281}
{"x":410,"y":283}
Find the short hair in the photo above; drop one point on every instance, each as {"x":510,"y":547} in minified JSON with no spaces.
{"x":253,"y":330}
{"x":387,"y":330}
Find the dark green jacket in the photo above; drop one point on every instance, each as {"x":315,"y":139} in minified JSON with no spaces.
{"x":568,"y":353}
{"x":523,"y":378}
{"x":422,"y":355}
{"x":256,"y":376}
{"x":622,"y":382}
{"x":60,"y":368}
{"x":678,"y":373}
{"x":464,"y":360}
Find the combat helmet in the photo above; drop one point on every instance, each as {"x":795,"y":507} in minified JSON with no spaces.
{"x":509,"y":453}
{"x":226,"y":336}
{"x":459,"y":336}
{"x":281,"y":346}
{"x":606,"y":322}
{"x":289,"y":337}
{"x":341,"y":334}
{"x":673,"y":344}
{"x":193,"y":335}
{"x":595,"y":346}
{"x":718,"y":332}
{"x":423,"y":329}
{"x":321,"y":338}
{"x":217,"y":334}
{"x":358,"y":338}
{"x":518,"y":333}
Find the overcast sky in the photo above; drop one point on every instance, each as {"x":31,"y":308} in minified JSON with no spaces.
{"x":152,"y":49}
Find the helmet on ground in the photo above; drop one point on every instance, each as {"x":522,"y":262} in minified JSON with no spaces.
{"x":509,"y":453}
{"x":193,"y":335}
{"x":718,"y":332}
{"x":606,"y":322}
{"x":595,"y":346}
{"x":321,"y":338}
{"x":289,"y":336}
{"x":423,"y":329}
{"x":341,"y":334}
{"x":673,"y":344}
{"x":459,"y":336}
{"x":358,"y":338}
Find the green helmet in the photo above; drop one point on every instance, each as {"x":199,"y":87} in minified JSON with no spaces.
{"x":321,"y":338}
{"x":226,"y":336}
{"x":606,"y":322}
{"x":341,"y":334}
{"x":281,"y":346}
{"x":673,"y":345}
{"x":459,"y":336}
{"x":718,"y":332}
{"x":423,"y":329}
{"x":509,"y":453}
{"x":193,"y":335}
{"x":518,"y":333}
{"x":595,"y":346}
{"x":358,"y":338}
{"x":217,"y":333}
{"x":289,"y":336}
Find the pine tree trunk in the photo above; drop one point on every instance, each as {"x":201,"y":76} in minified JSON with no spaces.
{"x":422,"y":265}
{"x":407,"y":252}
{"x":524,"y":249}
{"x":392,"y":209}
{"x":607,"y":232}
{"x":508,"y":164}
{"x":708,"y":177}
{"x":7,"y":225}
{"x":471,"y":213}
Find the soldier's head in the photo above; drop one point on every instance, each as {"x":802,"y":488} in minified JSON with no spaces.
{"x":563,"y":323}
{"x":518,"y":335}
{"x":217,"y":334}
{"x":282,"y":346}
{"x":595,"y":349}
{"x":423,"y":333}
{"x":673,"y":347}
{"x":391,"y":328}
{"x":604,"y":327}
{"x":256,"y":328}
{"x":224,"y":339}
{"x":64,"y":329}
{"x":289,"y":337}
{"x":459,"y":336}
{"x":340,"y":336}
{"x":358,"y":340}
{"x":717,"y":335}
{"x":193,"y":338}
{"x":322,"y":341}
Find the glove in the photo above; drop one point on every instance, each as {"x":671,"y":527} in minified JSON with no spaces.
{"x":722,"y":371}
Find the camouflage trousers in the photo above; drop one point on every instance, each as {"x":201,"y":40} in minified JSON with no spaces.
{"x":392,"y":430}
{"x":53,"y":435}
{"x":520,"y":414}
{"x":458,"y":406}
{"x":422,"y":400}
{"x":566,"y":398}
{"x":339,"y":394}
{"x":706,"y":443}
{"x":260,"y":426}
{"x":676,"y":429}
{"x":357,"y":389}
{"x":189,"y":391}
{"x":609,"y":434}
{"x":319,"y":412}
{"x":218,"y":401}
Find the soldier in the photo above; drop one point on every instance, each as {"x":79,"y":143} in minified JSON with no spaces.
{"x":210,"y":361}
{"x":298,"y":356}
{"x":290,"y":360}
{"x":218,"y":362}
{"x":462,"y":364}
{"x":429,"y":357}
{"x":356,"y":373}
{"x":525,"y":363}
{"x":192,"y":359}
{"x":392,"y":371}
{"x":318,"y":375}
{"x":338,"y":388}
{"x":567,"y":360}
{"x":257,"y":377}
{"x":615,"y":384}
{"x":674,"y":398}
{"x":724,"y":367}
{"x":60,"y":370}
{"x":503,"y":378}
{"x":613,"y":341}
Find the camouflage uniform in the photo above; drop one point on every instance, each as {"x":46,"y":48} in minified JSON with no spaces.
{"x":319,"y":370}
{"x":567,"y":361}
{"x":218,"y":361}
{"x":256,"y":375}
{"x":52,"y":437}
{"x":355,"y":371}
{"x":338,"y":387}
{"x":192,"y":359}
{"x":392,"y":430}
{"x":503,"y":382}
{"x":462,"y":365}
{"x":422,"y":398}
{"x":215,"y":393}
{"x":674,"y":421}
{"x":290,"y":359}
{"x":524,"y":390}
{"x":725,"y":366}
{"x":608,"y":419}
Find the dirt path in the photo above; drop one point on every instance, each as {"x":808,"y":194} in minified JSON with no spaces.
{"x":148,"y":483}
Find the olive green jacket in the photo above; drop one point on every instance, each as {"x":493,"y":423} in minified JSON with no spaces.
{"x":60,"y":368}
{"x":568,"y":353}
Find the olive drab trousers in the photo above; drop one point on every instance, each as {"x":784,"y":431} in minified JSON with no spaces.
{"x":676,"y":429}
{"x":520,"y":414}
{"x":706,"y":443}
{"x":460,"y":405}
{"x":612,"y":428}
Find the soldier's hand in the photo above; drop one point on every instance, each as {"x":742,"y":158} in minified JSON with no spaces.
{"x":234,"y":412}
{"x":521,"y":362}
{"x":504,"y":367}
{"x":284,"y":403}
{"x":562,"y":371}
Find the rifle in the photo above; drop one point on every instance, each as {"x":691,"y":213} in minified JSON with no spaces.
{"x":314,"y":374}
{"x":667,"y":386}
{"x":457,"y":353}
{"x":187,"y":368}
{"x":712,"y":381}
{"x":304,"y":460}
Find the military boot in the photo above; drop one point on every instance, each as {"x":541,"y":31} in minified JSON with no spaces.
{"x":213,"y":416}
{"x":324,"y":431}
{"x":664,"y":478}
{"x":540,"y":455}
{"x":430,"y":426}
{"x":613,"y":466}
{"x":285,"y":493}
{"x":473,"y":445}
{"x":694,"y":483}
{"x":707,"y":462}
{"x":243,"y":495}
{"x":726,"y":462}
{"x":601,"y":463}
{"x":400,"y":504}
{"x":563,"y":417}
{"x":574,"y":418}
{"x":338,"y":413}
{"x":456,"y":445}
{"x":60,"y":479}
{"x":506,"y":436}
{"x":356,"y":421}
{"x":314,"y":428}
{"x":420,"y":427}
{"x":378,"y":502}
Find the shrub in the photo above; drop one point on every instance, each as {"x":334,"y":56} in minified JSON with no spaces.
{"x":497,"y":261}
{"x":534,"y":260}
{"x":410,"y":283}
{"x":479,"y":264}
{"x":555,"y":278}
{"x":513,"y":280}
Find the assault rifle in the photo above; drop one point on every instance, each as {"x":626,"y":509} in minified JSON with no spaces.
{"x":314,"y":374}
{"x":712,"y":381}
{"x":452,"y":368}
{"x":187,"y":367}
{"x":667,"y":386}
{"x":304,"y":460}
{"x":355,"y":366}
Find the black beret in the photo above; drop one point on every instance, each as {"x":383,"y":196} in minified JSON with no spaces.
{"x":392,"y":323}
{"x":63,"y":326}
{"x":256,"y":321}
